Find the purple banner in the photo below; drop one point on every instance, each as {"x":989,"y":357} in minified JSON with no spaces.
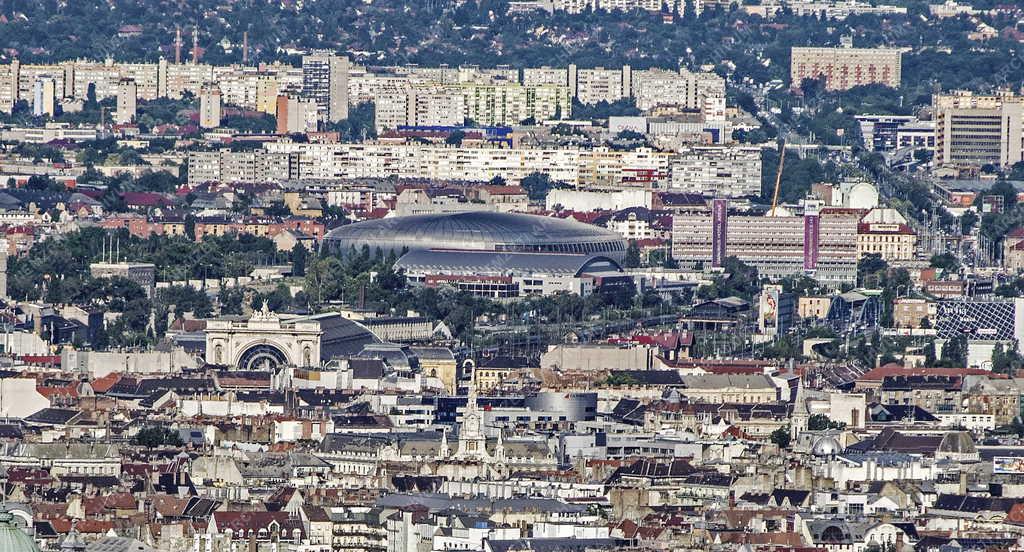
{"x":810,"y":242}
{"x":719,"y":231}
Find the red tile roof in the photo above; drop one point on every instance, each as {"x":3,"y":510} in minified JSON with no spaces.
{"x":102,"y":385}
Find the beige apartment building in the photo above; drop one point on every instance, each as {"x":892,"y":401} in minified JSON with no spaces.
{"x":312,"y":161}
{"x":510,"y":104}
{"x":846,"y":67}
{"x":719,"y":171}
{"x":975,"y":130}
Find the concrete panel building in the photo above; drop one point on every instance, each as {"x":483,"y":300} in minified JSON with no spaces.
{"x":325,"y":81}
{"x":718,"y":171}
{"x":127,"y":98}
{"x":209,"y":107}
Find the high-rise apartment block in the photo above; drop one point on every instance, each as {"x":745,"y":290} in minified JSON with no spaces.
{"x":597,"y":85}
{"x":846,"y":67}
{"x":127,"y":98}
{"x":44,"y":97}
{"x":325,"y":81}
{"x":973,"y":130}
{"x":209,"y":107}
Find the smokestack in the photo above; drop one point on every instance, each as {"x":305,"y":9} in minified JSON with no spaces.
{"x":177,"y":45}
{"x":195,"y":44}
{"x":245,"y":48}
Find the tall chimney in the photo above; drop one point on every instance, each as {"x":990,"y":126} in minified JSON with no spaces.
{"x":195,"y":44}
{"x":177,"y":46}
{"x":245,"y":48}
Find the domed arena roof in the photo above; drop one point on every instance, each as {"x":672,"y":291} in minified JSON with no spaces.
{"x":13,"y":539}
{"x":477,"y":231}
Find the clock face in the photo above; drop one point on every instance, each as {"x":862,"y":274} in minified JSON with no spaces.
{"x":472,"y":422}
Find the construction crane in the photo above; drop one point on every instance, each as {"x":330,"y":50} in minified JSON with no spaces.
{"x":778,"y":177}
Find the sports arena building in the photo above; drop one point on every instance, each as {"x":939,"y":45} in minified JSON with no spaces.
{"x":498,"y":255}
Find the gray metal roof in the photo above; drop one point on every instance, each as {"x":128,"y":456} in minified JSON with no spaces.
{"x":341,"y":336}
{"x":484,"y":263}
{"x":477,"y":231}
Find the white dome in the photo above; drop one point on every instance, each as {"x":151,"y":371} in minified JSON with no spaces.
{"x":826,"y":446}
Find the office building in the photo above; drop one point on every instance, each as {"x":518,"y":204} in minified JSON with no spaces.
{"x":325,"y":81}
{"x":846,"y":67}
{"x":127,"y":97}
{"x":975,"y":130}
{"x":880,"y":131}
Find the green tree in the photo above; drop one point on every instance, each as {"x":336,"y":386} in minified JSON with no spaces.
{"x":325,"y":280}
{"x":781,"y":437}
{"x":967,"y":222}
{"x":299,"y":260}
{"x":157,"y":436}
{"x":455,"y":138}
{"x":1006,"y":360}
{"x":632,"y":259}
{"x":945,"y":261}
{"x":954,"y":352}
{"x":818,"y":422}
{"x":1007,"y":191}
{"x":929,"y":354}
{"x":537,"y":186}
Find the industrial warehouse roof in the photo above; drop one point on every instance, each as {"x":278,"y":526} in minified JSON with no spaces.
{"x":485,"y":263}
{"x":476,"y":231}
